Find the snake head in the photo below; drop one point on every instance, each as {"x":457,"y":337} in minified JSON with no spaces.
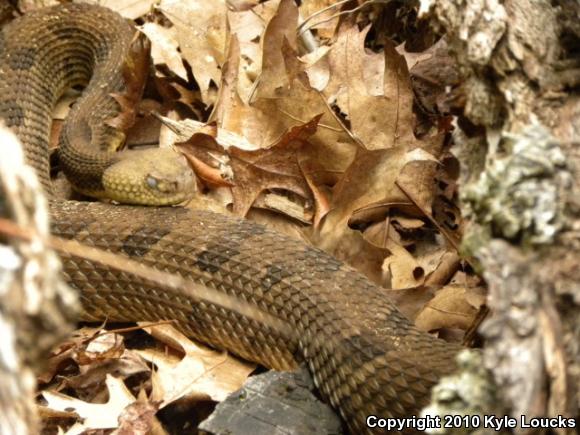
{"x":156,"y":176}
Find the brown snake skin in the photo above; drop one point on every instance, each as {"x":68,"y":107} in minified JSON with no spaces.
{"x":365,"y":357}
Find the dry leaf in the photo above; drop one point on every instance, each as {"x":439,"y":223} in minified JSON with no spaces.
{"x":265,"y":121}
{"x":68,"y":350}
{"x":401,"y":269}
{"x":282,"y":27}
{"x":254,"y":171}
{"x":94,"y":373}
{"x":281,"y":204}
{"x":373,"y":91}
{"x":317,"y":68}
{"x":324,"y":26}
{"x":94,"y":415}
{"x":276,"y":167}
{"x":201,"y":32}
{"x":368,"y":183}
{"x":369,"y":179}
{"x":130,"y":9}
{"x":246,"y":27}
{"x":164,"y":47}
{"x":139,"y":419}
{"x":202,"y":373}
{"x":103,"y":346}
{"x":208,"y":159}
{"x":448,"y":309}
{"x":417,"y":177}
{"x":412,"y":58}
{"x":135,"y":70}
{"x":316,"y":176}
{"x":228,"y":98}
{"x":52,"y":418}
{"x":183,"y":131}
{"x":430,"y":256}
{"x":411,"y":301}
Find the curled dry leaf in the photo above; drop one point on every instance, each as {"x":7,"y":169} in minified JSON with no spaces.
{"x":92,"y":375}
{"x":316,"y":176}
{"x":208,"y":159}
{"x":68,"y":351}
{"x":135,"y":70}
{"x":284,"y":205}
{"x":217,"y":177}
{"x":417,"y":177}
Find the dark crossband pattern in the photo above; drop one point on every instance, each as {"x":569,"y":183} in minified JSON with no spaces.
{"x":365,"y":357}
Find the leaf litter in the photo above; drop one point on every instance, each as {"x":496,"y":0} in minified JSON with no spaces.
{"x":310,"y":120}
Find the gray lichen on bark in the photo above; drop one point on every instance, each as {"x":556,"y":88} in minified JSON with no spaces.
{"x":519,"y":61}
{"x":469,"y":392}
{"x":521,"y":193}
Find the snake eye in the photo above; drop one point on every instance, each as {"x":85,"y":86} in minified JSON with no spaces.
{"x":151,"y":182}
{"x":162,"y":185}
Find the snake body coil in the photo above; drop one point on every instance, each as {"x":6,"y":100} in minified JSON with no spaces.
{"x":365,"y":357}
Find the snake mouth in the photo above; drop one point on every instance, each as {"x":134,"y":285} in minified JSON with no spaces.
{"x":154,"y":177}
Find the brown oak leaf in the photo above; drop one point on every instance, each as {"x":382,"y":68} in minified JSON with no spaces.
{"x":374,"y":90}
{"x":276,"y":167}
{"x":135,"y":71}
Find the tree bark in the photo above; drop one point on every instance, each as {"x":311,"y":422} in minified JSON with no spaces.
{"x":36,"y":308}
{"x":521,"y":71}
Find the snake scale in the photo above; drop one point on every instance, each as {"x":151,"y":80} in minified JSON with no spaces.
{"x":365,"y":357}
